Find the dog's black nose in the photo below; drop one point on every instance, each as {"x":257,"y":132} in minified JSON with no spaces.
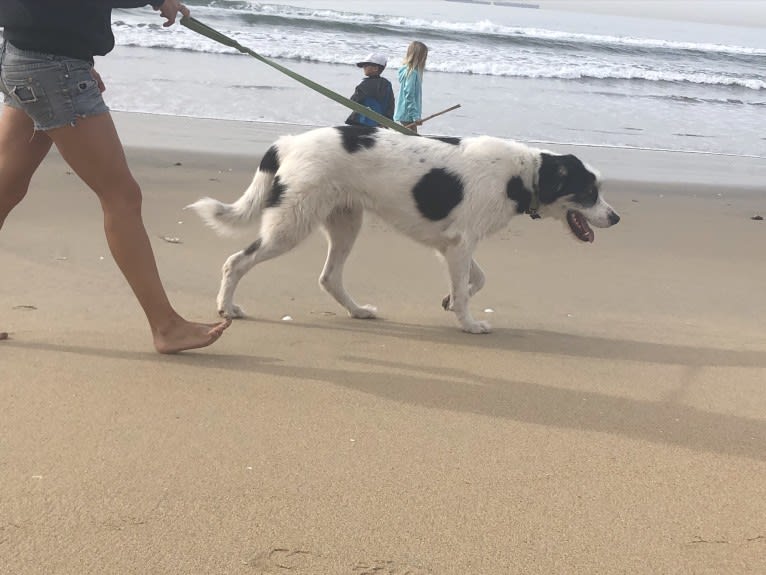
{"x":613,"y":218}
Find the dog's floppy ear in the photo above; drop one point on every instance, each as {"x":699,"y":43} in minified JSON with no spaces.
{"x":551,"y":177}
{"x":560,"y":176}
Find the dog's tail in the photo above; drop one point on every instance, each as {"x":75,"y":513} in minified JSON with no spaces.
{"x":226,"y":219}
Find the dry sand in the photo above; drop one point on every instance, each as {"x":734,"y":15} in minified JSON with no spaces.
{"x":614,"y":422}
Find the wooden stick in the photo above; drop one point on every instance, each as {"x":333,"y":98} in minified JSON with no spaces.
{"x":413,"y":124}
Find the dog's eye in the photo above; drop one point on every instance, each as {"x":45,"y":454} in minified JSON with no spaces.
{"x":588,"y":197}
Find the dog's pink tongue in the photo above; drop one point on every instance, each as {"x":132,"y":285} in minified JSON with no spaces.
{"x":579,"y":226}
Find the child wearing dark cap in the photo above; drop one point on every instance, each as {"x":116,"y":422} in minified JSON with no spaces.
{"x":374,"y":91}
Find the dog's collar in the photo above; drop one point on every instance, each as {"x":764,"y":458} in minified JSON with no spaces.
{"x":534,"y":205}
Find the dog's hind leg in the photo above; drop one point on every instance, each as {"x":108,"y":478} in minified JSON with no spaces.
{"x":476,"y":282}
{"x":462,"y":268}
{"x":341,"y":228}
{"x":278,"y":235}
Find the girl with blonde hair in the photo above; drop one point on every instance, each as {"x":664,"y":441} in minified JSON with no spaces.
{"x":409,"y":104}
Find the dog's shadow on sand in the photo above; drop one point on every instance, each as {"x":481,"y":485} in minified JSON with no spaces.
{"x":664,"y":421}
{"x":544,"y":342}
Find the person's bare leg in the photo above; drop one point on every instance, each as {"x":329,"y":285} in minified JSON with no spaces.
{"x":21,"y":151}
{"x":93,"y":150}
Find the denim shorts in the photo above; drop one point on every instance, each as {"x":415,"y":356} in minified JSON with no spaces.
{"x":53,"y":90}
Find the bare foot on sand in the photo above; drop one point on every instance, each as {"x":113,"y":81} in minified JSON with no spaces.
{"x":183,"y":335}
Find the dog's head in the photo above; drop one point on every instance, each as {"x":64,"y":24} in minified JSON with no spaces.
{"x":568,"y":190}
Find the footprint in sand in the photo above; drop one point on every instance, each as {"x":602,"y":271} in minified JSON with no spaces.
{"x":282,"y":560}
{"x":387,"y":568}
{"x":299,"y":562}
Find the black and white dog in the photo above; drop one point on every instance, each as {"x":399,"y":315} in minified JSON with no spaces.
{"x":446,"y":193}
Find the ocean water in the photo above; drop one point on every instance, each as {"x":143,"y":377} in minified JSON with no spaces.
{"x":518,"y":72}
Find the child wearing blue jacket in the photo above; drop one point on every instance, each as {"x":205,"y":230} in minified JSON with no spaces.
{"x":409,"y":104}
{"x":374,"y":92}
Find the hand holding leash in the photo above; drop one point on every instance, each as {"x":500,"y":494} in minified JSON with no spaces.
{"x":170,"y":9}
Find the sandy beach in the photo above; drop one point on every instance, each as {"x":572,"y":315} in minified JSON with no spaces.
{"x":613,"y":422}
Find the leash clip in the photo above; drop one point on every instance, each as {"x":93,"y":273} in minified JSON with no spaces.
{"x":534,"y":205}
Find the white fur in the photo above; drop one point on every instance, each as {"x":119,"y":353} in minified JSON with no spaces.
{"x":328,"y":186}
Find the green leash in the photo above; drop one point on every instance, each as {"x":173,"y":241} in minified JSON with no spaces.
{"x":205,"y":30}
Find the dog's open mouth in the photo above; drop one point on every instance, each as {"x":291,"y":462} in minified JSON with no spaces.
{"x":579,"y":226}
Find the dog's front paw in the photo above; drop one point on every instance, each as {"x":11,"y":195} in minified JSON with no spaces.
{"x":477,"y":327}
{"x":447,"y":303}
{"x":232,"y":311}
{"x":365,"y":312}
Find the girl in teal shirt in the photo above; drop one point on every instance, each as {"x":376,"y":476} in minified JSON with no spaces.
{"x":409,"y":104}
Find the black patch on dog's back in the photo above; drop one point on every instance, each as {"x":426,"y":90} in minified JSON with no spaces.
{"x":446,"y":139}
{"x":275,"y":193}
{"x":566,"y":175}
{"x":437,"y":193}
{"x":270,"y":161}
{"x":518,"y":192}
{"x":357,"y":138}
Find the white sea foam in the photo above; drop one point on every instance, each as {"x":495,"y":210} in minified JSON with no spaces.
{"x":481,"y":47}
{"x":521,"y":73}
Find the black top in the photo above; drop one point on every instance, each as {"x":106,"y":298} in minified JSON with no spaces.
{"x":375,"y":93}
{"x":74,"y":28}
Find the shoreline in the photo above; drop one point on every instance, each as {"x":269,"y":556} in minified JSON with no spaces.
{"x":252,"y":139}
